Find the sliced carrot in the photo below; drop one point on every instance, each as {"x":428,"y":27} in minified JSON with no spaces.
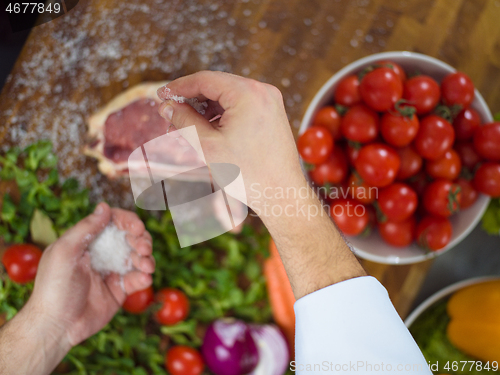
{"x":280,"y":295}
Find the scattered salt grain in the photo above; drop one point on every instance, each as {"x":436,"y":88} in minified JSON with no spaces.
{"x":110,"y":252}
{"x":164,"y":94}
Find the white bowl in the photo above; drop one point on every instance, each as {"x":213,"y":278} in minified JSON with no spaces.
{"x":444,"y":293}
{"x":373,"y":248}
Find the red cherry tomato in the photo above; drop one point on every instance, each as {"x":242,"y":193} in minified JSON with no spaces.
{"x":347,"y":91}
{"x":395,"y":67}
{"x":487,"y":141}
{"x":442,"y":198}
{"x":138,"y":302}
{"x":411,"y":163}
{"x":21,"y":262}
{"x":398,"y":130}
{"x":381,"y":89}
{"x":352,"y":151}
{"x":397,"y":202}
{"x":399,"y":234}
{"x":487,"y":179}
{"x":350,"y":216}
{"x":434,"y":138}
{"x":315,"y":145}
{"x":466,"y":123}
{"x":457,"y":89}
{"x":174,"y":306}
{"x":469,"y":194}
{"x":422,"y":92}
{"x":184,"y":360}
{"x":377,"y":164}
{"x":449,"y":166}
{"x":359,"y":190}
{"x":433,"y":233}
{"x":468,"y":155}
{"x":360,"y":124}
{"x":332,"y":171}
{"x":329,"y":118}
{"x":419,"y":183}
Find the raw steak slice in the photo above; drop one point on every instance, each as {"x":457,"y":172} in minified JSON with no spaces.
{"x":127,"y":122}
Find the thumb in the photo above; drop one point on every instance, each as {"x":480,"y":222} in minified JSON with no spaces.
{"x":182,"y":115}
{"x":77,"y":239}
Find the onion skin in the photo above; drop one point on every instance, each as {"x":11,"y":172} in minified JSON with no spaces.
{"x":229,"y":349}
{"x":274,"y":355}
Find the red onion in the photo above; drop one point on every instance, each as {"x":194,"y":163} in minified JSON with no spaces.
{"x":228,"y":348}
{"x":274,"y":356}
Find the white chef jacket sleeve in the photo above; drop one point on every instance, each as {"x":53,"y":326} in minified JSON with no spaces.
{"x":352,"y":328}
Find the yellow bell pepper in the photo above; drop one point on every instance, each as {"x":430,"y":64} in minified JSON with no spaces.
{"x":474,"y":327}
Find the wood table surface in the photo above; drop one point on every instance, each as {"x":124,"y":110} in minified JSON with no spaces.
{"x":78,"y":62}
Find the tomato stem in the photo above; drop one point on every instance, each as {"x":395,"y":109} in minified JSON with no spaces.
{"x":448,"y":113}
{"x":453,"y":204}
{"x":403,"y":109}
{"x":341,"y":109}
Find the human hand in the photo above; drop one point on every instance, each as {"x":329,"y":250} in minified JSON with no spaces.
{"x":72,"y":298}
{"x":253,"y":131}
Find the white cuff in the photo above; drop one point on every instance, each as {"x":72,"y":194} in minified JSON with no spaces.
{"x":352,"y":327}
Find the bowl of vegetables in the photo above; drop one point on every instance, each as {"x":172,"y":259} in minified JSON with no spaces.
{"x":458,"y":328}
{"x":404,"y":151}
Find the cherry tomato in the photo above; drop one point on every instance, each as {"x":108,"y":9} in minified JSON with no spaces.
{"x":466,"y":123}
{"x":395,"y":67}
{"x":442,"y":198}
{"x":184,"y":360}
{"x":397,"y":202}
{"x":419,"y":182}
{"x":449,"y":166}
{"x":332,"y":171}
{"x":377,"y":164}
{"x":21,"y":262}
{"x":422,"y":92}
{"x":174,"y":306}
{"x":457,"y":89}
{"x":380,"y":89}
{"x":469,"y":194}
{"x":352,"y":151}
{"x":138,"y":302}
{"x":359,"y":190}
{"x":468,"y":155}
{"x":487,"y":179}
{"x":360,"y":124}
{"x":398,"y":130}
{"x":433,"y":232}
{"x":347,"y":91}
{"x":411,"y":163}
{"x":350,"y":216}
{"x":329,"y":118}
{"x":434,"y":138}
{"x":487,"y":141}
{"x":398,"y":234}
{"x":315,"y":145}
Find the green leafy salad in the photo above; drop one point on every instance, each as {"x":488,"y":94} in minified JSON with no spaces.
{"x":221,"y":277}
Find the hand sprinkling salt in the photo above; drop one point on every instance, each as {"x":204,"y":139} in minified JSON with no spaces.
{"x":164,"y":94}
{"x":110,"y":252}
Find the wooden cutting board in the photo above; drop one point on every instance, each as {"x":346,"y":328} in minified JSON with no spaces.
{"x":76,"y":63}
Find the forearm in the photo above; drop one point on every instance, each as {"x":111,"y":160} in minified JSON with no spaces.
{"x":313,"y":252}
{"x":30,"y":346}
